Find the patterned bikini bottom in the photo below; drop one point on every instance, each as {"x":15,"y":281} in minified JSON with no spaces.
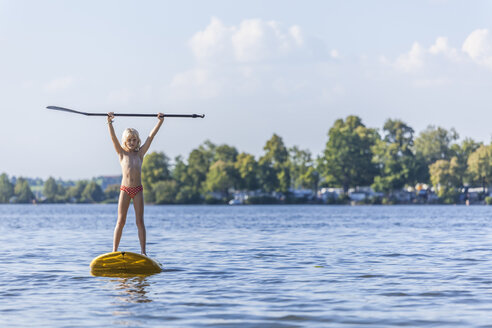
{"x":132,"y":191}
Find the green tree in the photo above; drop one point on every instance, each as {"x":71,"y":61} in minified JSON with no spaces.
{"x":61,"y":195}
{"x":221,"y":177}
{"x":274,"y":170}
{"x":310,"y":179}
{"x":394,"y":157}
{"x":225,"y":153}
{"x":74,"y":193}
{"x":283,"y":176}
{"x":462,"y":152}
{"x":187,"y":195}
{"x":50,"y":189}
{"x":480,"y":165}
{"x":155,"y":167}
{"x":179,"y":171}
{"x":92,"y":193}
{"x":275,"y":150}
{"x":347,"y":160}
{"x":166,"y":192}
{"x":267,"y":176}
{"x":444,"y":178}
{"x":247,"y":169}
{"x":208,"y":149}
{"x":303,"y":172}
{"x":23,"y":192}
{"x":434,"y":143}
{"x":6,"y":188}
{"x":196,"y":171}
{"x":112,"y":192}
{"x":190,"y":176}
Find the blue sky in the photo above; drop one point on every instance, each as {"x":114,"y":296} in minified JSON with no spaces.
{"x":253,"y":67}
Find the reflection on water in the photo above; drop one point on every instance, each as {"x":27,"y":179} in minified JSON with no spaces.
{"x":132,"y":289}
{"x":129,"y":291}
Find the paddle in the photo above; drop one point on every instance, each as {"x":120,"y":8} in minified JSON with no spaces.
{"x":124,"y":114}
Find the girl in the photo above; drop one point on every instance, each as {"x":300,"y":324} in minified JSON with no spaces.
{"x":131,"y":155}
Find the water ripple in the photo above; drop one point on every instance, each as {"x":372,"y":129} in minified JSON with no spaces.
{"x":253,"y":266}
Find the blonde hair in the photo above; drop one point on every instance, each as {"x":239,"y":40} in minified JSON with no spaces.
{"x":130,"y":132}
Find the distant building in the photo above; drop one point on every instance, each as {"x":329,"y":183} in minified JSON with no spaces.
{"x":327,"y":194}
{"x":302,"y":193}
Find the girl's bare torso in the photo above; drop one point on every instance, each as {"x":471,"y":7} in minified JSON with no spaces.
{"x":131,"y":168}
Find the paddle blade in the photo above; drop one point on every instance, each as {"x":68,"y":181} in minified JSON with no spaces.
{"x":63,"y":109}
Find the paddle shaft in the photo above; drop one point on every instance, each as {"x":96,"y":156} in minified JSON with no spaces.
{"x":124,"y":114}
{"x":144,"y":115}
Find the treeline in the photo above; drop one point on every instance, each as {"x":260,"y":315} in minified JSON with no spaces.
{"x":355,"y":155}
{"x":83,"y":191}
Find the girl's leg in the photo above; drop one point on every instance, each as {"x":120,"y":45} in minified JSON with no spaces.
{"x":123,"y":204}
{"x":138,"y":204}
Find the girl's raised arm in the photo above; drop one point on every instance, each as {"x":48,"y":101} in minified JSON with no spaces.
{"x":116,"y":143}
{"x":152,"y":134}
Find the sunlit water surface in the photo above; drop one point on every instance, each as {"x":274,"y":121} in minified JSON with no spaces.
{"x":254,"y":266}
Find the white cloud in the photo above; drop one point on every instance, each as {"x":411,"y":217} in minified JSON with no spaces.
{"x":59,"y":84}
{"x":295,"y":32}
{"x":248,"y":58}
{"x":266,"y":58}
{"x":211,"y":42}
{"x":441,"y":46}
{"x":478,"y":45}
{"x":249,"y":41}
{"x":440,"y":64}
{"x":413,"y":60}
{"x":253,"y":40}
{"x":419,"y":58}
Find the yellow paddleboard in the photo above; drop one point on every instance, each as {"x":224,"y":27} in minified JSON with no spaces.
{"x":123,"y":264}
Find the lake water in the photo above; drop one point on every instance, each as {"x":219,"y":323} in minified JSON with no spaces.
{"x":251,"y":266}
